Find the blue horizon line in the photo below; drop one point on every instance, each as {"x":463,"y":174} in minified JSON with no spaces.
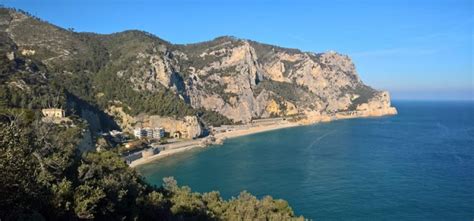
{"x":432,"y":100}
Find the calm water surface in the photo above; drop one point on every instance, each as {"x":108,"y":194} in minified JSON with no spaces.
{"x":417,"y":165}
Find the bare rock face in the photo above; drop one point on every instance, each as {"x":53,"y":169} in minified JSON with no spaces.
{"x":378,"y":105}
{"x":243,"y":80}
{"x":193,"y":127}
{"x":189,"y":127}
{"x":124,"y":120}
{"x":227,"y":81}
{"x":272,"y":108}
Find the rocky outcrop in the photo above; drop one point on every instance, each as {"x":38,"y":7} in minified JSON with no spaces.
{"x":244,"y":80}
{"x":193,"y":127}
{"x":189,"y":127}
{"x":379,"y":105}
{"x":124,"y":120}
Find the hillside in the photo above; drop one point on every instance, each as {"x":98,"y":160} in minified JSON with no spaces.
{"x":222,"y":81}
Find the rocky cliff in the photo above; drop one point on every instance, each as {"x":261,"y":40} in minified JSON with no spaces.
{"x":244,"y":80}
{"x":235,"y":78}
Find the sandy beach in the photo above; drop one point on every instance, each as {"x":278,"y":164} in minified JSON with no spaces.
{"x":163,"y":154}
{"x":254,"y":130}
{"x":202,"y":142}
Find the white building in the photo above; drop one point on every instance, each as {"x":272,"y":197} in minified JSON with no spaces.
{"x":158,"y":132}
{"x":139,"y":133}
{"x":147,"y":132}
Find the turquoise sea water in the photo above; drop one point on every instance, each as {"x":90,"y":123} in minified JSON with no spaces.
{"x":418,"y":165}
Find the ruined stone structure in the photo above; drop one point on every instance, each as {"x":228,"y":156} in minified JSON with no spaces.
{"x":53,"y":113}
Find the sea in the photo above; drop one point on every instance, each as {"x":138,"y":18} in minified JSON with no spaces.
{"x":417,"y":165}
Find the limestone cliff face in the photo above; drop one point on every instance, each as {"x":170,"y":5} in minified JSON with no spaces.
{"x":243,"y":80}
{"x":240,"y":79}
{"x":189,"y":127}
{"x":125,"y":121}
{"x":378,"y":105}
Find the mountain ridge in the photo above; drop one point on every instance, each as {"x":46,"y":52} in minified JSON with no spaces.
{"x":228,"y":78}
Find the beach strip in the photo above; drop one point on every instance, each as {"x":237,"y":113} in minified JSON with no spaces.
{"x":220,"y":137}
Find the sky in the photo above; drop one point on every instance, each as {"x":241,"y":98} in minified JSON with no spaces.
{"x":416,"y":49}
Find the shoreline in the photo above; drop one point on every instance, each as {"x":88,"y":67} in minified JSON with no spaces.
{"x":221,"y":137}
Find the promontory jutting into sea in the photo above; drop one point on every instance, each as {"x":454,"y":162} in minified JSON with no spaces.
{"x":103,"y":126}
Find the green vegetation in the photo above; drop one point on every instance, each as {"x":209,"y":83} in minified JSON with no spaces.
{"x":285,"y":91}
{"x":214,"y":117}
{"x":162,"y":102}
{"x":364,"y":92}
{"x":44,"y":176}
{"x":265,"y":52}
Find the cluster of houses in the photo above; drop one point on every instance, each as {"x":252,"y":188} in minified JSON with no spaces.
{"x":152,"y":133}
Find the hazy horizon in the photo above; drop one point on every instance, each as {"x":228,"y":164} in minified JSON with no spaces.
{"x":416,"y":50}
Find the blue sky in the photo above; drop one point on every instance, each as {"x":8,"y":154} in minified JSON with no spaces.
{"x":415,"y":49}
